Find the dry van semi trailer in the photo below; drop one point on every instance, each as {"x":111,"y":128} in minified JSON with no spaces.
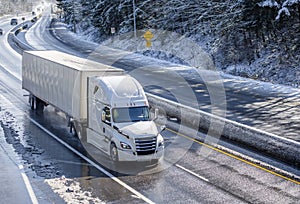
{"x":107,"y":107}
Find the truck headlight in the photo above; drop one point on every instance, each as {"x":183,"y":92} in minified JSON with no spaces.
{"x":161,"y":143}
{"x":125,"y":145}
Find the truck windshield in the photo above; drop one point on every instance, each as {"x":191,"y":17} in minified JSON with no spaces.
{"x":132,"y":114}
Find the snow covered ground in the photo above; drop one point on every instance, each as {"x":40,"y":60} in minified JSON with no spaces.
{"x":180,"y":50}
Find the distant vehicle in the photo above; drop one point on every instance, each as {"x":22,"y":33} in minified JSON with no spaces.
{"x":25,"y":26}
{"x":14,"y":21}
{"x":1,"y":31}
{"x":34,"y":19}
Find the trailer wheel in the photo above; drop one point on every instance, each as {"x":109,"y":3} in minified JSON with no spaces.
{"x":31,"y":102}
{"x":114,"y":153}
{"x":39,"y":104}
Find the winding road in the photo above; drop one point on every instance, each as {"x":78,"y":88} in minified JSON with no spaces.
{"x":60,"y":170}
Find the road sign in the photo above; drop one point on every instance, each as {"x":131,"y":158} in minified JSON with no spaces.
{"x":148,"y":36}
{"x":113,"y":30}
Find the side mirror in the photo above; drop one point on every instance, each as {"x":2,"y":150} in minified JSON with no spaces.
{"x":162,"y":128}
{"x":103,"y":116}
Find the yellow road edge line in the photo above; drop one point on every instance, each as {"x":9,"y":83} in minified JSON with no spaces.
{"x":235,"y":157}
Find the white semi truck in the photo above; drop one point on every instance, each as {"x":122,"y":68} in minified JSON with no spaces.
{"x":106,"y":107}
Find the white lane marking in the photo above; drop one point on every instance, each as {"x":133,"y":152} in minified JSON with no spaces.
{"x":138,"y":194}
{"x":15,"y":53}
{"x":193,"y":173}
{"x":21,"y":168}
{"x":14,"y":74}
{"x":28,"y":186}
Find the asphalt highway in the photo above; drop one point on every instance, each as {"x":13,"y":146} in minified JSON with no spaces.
{"x":60,"y":170}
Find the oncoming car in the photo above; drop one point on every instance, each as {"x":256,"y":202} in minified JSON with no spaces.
{"x":14,"y":21}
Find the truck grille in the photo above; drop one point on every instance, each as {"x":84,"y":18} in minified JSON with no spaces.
{"x":145,"y":146}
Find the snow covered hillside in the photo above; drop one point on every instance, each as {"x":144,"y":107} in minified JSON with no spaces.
{"x":258,"y":39}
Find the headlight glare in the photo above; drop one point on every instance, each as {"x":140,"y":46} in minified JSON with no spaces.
{"x":125,"y":145}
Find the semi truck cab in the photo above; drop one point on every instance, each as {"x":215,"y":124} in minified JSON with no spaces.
{"x":119,"y":121}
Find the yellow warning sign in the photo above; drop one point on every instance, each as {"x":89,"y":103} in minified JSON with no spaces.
{"x":148,"y":36}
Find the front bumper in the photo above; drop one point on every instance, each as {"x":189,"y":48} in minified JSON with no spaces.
{"x":125,"y":155}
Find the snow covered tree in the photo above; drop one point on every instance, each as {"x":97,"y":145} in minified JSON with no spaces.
{"x":14,"y":6}
{"x":108,"y":14}
{"x":232,"y":31}
{"x":285,"y":7}
{"x":72,"y":11}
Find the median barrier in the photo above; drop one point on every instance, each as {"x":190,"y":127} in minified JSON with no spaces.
{"x":278,"y":147}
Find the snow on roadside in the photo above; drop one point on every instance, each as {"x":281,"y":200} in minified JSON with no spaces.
{"x":176,"y":50}
{"x":269,"y":81}
{"x":70,"y":191}
{"x":40,"y":168}
{"x":243,"y":72}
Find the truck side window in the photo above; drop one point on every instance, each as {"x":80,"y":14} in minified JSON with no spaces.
{"x":106,"y":115}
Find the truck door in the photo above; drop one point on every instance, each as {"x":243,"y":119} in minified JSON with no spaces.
{"x":106,"y":131}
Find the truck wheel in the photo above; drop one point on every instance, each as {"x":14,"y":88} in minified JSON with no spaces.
{"x":39,"y":106}
{"x":114,"y":152}
{"x":31,"y":102}
{"x":80,"y":131}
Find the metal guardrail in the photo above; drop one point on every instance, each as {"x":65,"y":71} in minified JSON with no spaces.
{"x":278,"y":147}
{"x":13,"y":36}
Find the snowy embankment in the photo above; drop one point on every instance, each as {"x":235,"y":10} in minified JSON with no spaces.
{"x":277,"y":146}
{"x":176,"y":48}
